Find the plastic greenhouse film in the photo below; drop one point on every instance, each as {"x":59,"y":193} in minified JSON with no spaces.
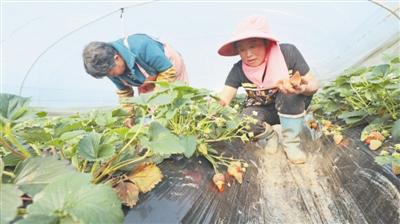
{"x":338,"y":184}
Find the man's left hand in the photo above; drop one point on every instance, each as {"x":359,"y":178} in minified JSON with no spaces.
{"x":129,"y":122}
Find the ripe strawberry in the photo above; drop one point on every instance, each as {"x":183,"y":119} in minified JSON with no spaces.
{"x":219,"y":181}
{"x":374,"y":135}
{"x":295,"y":80}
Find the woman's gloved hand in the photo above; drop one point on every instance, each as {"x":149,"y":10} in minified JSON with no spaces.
{"x":129,"y":107}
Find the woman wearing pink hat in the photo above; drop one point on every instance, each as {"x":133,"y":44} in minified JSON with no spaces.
{"x":264,"y":72}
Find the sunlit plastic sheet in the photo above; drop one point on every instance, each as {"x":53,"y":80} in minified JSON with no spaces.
{"x":338,"y":184}
{"x":331,"y":35}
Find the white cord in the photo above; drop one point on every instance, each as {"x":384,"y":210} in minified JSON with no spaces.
{"x":123,"y":28}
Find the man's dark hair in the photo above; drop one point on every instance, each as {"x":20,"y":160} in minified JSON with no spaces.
{"x":98,"y":58}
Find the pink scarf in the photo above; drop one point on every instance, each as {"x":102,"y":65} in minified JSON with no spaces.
{"x":276,"y":68}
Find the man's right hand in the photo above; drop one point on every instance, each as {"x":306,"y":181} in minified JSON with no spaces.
{"x":146,"y":87}
{"x":129,"y":122}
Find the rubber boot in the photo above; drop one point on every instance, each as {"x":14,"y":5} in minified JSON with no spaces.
{"x":291,"y":128}
{"x":271,"y":138}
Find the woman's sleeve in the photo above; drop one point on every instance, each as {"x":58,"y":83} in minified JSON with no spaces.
{"x":233,"y":79}
{"x":294,"y":59}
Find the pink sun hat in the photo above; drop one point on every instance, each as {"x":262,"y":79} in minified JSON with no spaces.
{"x":252,"y":27}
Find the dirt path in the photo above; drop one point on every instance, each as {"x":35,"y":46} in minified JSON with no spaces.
{"x":300,"y":193}
{"x":337,"y":184}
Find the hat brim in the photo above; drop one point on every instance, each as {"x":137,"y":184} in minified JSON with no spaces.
{"x":228,"y":49}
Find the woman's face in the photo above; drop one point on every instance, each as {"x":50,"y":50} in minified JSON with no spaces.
{"x":119,"y":67}
{"x":252,"y":51}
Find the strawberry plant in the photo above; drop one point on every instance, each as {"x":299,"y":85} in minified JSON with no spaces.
{"x":362,"y":96}
{"x":54,"y":192}
{"x":196,"y":114}
{"x":393,"y":159}
{"x":367,"y":97}
{"x":12,"y":111}
{"x":41,"y":155}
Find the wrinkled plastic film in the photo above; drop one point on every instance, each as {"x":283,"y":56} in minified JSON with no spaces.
{"x":338,"y":184}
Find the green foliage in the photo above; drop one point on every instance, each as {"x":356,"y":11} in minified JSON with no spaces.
{"x":72,"y":198}
{"x":387,"y":158}
{"x":34,"y":134}
{"x":41,"y":114}
{"x":42,"y":219}
{"x":10,"y":159}
{"x":104,"y":119}
{"x":1,"y":168}
{"x":187,"y":111}
{"x":175,"y":119}
{"x":13,"y":108}
{"x":189,"y":144}
{"x":396,"y":130}
{"x":361,"y":95}
{"x":353,"y":117}
{"x":9,"y":202}
{"x":365,"y":96}
{"x":96,"y":147}
{"x":33,"y":174}
{"x":162,"y":141}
